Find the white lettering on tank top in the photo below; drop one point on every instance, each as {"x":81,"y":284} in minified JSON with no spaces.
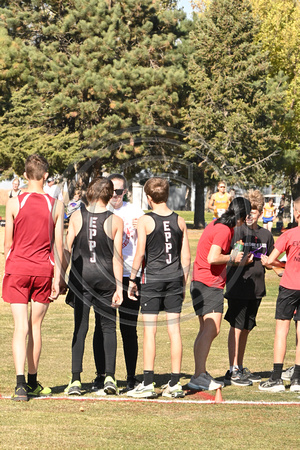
{"x":168,"y":245}
{"x":92,"y":233}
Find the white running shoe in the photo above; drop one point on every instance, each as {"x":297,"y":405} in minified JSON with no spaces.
{"x":142,"y":391}
{"x":288,"y":373}
{"x":204,"y":381}
{"x":174,"y":391}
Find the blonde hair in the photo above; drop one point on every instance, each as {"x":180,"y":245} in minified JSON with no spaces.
{"x":256,"y":199}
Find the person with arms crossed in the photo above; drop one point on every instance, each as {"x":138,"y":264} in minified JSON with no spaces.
{"x":95,"y":240}
{"x":163,"y":241}
{"x":287,"y":305}
{"x":33,"y":229}
{"x":245,"y":287}
{"x":209,"y":276}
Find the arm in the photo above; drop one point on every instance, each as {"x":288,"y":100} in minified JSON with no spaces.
{"x":272,"y":260}
{"x":11,"y":212}
{"x":58,"y":284}
{"x":139,"y":256}
{"x":185,"y":251}
{"x":215,"y":256}
{"x":211,"y":202}
{"x":117,"y":225}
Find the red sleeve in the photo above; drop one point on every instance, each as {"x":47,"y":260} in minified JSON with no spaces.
{"x":222,"y":237}
{"x":281,"y":242}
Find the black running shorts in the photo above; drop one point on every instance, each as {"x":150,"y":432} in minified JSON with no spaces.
{"x":241,"y":313}
{"x":288,"y":304}
{"x":162,"y":296}
{"x":206,"y":299}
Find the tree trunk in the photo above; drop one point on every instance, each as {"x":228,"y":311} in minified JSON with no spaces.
{"x":199,"y":220}
{"x":295,"y":186}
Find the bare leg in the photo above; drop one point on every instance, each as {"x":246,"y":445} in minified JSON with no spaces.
{"x":281,"y":332}
{"x":37,"y":314}
{"x":209,"y":329}
{"x":150,"y":326}
{"x":297,"y":342}
{"x":20,"y":316}
{"x":173,"y":320}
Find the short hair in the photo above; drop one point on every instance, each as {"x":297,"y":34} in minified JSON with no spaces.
{"x":158,"y":189}
{"x":256,"y":199}
{"x":118,"y":176}
{"x":100,"y":188}
{"x":78,"y":192}
{"x":297,"y":204}
{"x":16,"y":179}
{"x":36,"y":166}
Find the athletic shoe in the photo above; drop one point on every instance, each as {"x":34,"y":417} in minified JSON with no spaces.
{"x":251,"y":376}
{"x":98,"y":383}
{"x":73,"y":388}
{"x":132,"y":383}
{"x":110,"y":386}
{"x":295,"y":385}
{"x":272,"y":385}
{"x":287,"y":375}
{"x":39,"y":391}
{"x":20,"y":394}
{"x":236,"y":378}
{"x":142,"y":391}
{"x":172,"y":391}
{"x":204,"y":381}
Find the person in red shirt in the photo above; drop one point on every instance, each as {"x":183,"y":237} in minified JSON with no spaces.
{"x":34,"y":224}
{"x":209,"y":276}
{"x":287,"y":306}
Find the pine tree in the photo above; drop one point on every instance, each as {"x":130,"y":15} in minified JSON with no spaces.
{"x":95,"y":67}
{"x":235,"y":109}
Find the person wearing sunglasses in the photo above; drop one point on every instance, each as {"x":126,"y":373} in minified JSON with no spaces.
{"x":128,"y":312}
{"x":245,"y":287}
{"x":220,"y":200}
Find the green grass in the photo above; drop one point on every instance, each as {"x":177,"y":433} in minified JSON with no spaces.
{"x":69,"y":424}
{"x":2,"y":210}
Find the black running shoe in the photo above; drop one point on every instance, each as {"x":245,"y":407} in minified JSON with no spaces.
{"x":236,"y":378}
{"x":272,"y":385}
{"x":132,"y":383}
{"x":251,"y":376}
{"x":98,"y":383}
{"x":20,"y":394}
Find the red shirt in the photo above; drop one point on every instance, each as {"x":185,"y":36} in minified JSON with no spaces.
{"x":31,"y":252}
{"x":289,"y":242}
{"x":209,"y":274}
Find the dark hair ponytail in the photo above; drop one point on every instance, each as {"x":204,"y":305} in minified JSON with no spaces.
{"x":239,"y":208}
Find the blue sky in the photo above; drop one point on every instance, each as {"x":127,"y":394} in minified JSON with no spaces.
{"x":186,"y":5}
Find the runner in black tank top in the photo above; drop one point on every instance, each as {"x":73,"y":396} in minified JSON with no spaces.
{"x":92,"y":266}
{"x":163,"y":249}
{"x":95,"y":237}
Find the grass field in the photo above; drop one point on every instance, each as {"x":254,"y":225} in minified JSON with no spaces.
{"x":116,"y":423}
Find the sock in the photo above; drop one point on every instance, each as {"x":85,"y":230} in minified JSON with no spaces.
{"x":32,"y":380}
{"x":21,"y":380}
{"x":75,"y":377}
{"x":277,"y":371}
{"x":240,"y":368}
{"x":296,"y":373}
{"x":148,"y":377}
{"x":174,"y":379}
{"x":110,"y":374}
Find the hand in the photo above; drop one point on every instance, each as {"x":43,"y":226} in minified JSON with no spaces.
{"x":133,"y":291}
{"x":264,"y":260}
{"x":249,"y":259}
{"x":55,"y":290}
{"x":237,"y":256}
{"x":117,"y":299}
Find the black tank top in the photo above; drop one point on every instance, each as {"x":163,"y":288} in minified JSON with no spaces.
{"x":163,"y":249}
{"x":93,"y":253}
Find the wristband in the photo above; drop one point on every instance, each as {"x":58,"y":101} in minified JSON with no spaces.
{"x":133,"y":280}
{"x":230,"y":259}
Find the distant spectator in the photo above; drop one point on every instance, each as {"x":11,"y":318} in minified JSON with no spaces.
{"x":15,"y":188}
{"x":52,"y":189}
{"x":74,"y":204}
{"x":281,"y":207}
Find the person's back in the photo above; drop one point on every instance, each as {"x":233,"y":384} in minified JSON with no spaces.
{"x":31,"y":252}
{"x":163,"y":248}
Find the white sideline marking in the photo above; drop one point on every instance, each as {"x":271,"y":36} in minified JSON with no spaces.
{"x":184,"y":401}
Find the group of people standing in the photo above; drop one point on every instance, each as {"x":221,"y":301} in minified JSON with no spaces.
{"x":124,"y":259}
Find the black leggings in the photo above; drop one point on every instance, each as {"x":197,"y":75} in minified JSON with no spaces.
{"x":105,"y":324}
{"x":128,"y":313}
